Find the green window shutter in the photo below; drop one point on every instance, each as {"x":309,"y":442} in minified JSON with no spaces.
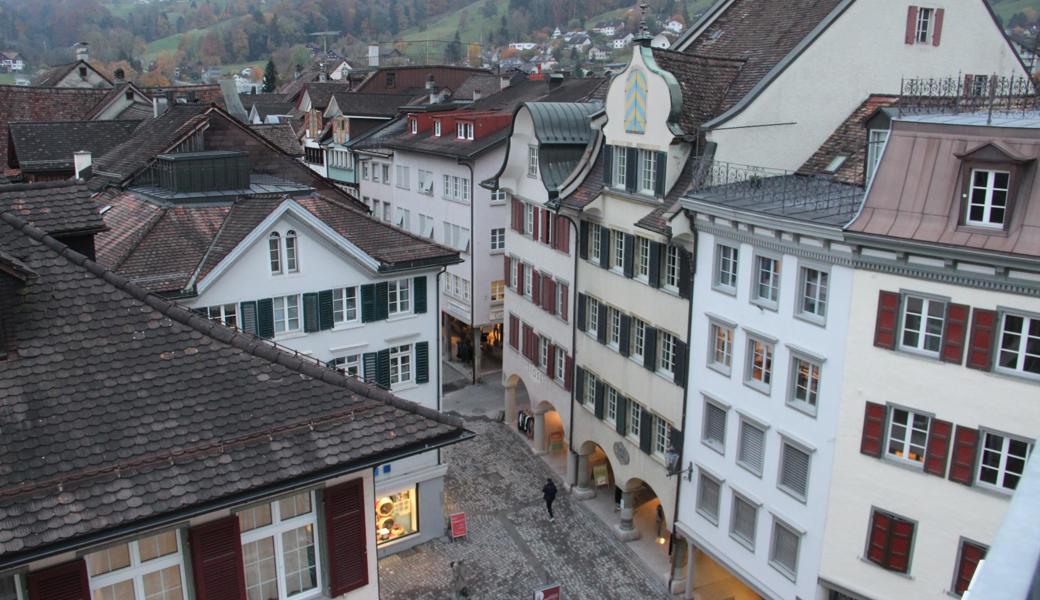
{"x":601,"y":392}
{"x":422,"y":362}
{"x":625,"y":343}
{"x":382,"y":301}
{"x":383,"y":369}
{"x":655,"y":264}
{"x":368,"y":303}
{"x":621,"y":425}
{"x":608,"y":164}
{"x":419,"y":288}
{"x":579,"y":384}
{"x":650,"y":349}
{"x":370,"y":360}
{"x":310,"y":312}
{"x":604,"y":246}
{"x":265,"y":318}
{"x":631,"y":170}
{"x":646,"y":431}
{"x":685,"y":270}
{"x":630,"y":255}
{"x":325,"y":318}
{"x":583,"y":240}
{"x":662,"y":166}
{"x":582,"y":303}
{"x":248,"y":321}
{"x":601,"y":326}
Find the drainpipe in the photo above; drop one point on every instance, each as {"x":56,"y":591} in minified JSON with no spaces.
{"x":472,"y":265}
{"x":554,"y":197}
{"x":440,"y":364}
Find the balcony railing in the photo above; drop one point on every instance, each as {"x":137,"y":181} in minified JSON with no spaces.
{"x":990,"y":94}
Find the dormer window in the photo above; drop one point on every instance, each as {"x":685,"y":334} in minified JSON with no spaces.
{"x":464,"y":130}
{"x":988,"y":198}
{"x":291,"y":260}
{"x":415,"y":126}
{"x":83,"y":72}
{"x":875,"y":144}
{"x":391,"y":80}
{"x":437,"y":128}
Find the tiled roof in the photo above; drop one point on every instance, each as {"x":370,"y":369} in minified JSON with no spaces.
{"x":56,"y":207}
{"x":120,"y":409}
{"x":485,"y":84}
{"x":589,"y":189}
{"x":320,"y":92}
{"x":19,"y":103}
{"x":54,"y":75}
{"x":371,"y":104}
{"x":657,"y":219}
{"x":295,"y":86}
{"x":570,"y":89}
{"x":162,"y":248}
{"x":49,"y":146}
{"x":704,"y":81}
{"x":204,"y":93}
{"x":150,"y":139}
{"x":281,"y":135}
{"x":848,"y":140}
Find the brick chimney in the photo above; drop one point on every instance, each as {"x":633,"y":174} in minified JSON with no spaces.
{"x":82,"y":51}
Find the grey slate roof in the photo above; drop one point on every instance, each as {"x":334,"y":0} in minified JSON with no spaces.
{"x":49,"y":146}
{"x":60,"y":207}
{"x":370,"y":104}
{"x":561,"y":122}
{"x":121,"y":410}
{"x":796,"y":197}
{"x":281,"y":135}
{"x":153,"y":137}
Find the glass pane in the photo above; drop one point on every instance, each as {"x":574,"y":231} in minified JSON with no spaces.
{"x":124,"y":590}
{"x":163,"y":585}
{"x":299,"y":560}
{"x":260,"y":570}
{"x":251,"y":518}
{"x":299,"y":504}
{"x":110,"y":559}
{"x":157,"y":545}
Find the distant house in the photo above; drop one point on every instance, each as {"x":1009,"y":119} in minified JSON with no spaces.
{"x":11,"y":61}
{"x":522,"y":45}
{"x":674,"y":25}
{"x":556,"y":33}
{"x":622,"y":42}
{"x":79,"y":74}
{"x":609,"y":28}
{"x":579,"y":41}
{"x":661,"y":40}
{"x":597,"y":53}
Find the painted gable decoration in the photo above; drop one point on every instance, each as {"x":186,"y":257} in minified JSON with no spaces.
{"x":635,"y":102}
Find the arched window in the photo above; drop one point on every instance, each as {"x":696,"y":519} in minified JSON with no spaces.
{"x":635,"y":102}
{"x":274,"y":244}
{"x":292,"y":263}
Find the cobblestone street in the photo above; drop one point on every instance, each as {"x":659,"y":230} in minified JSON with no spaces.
{"x":512,"y":548}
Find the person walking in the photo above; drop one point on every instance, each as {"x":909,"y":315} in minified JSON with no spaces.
{"x":660,"y":519}
{"x":549,"y":493}
{"x":458,"y":580}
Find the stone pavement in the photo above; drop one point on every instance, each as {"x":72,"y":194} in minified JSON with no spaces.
{"x":512,"y":548}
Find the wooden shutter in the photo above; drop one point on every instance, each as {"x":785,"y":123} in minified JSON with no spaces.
{"x":528,"y":342}
{"x":911,"y":24}
{"x":608,"y":164}
{"x":655,"y":264}
{"x":565,"y":298}
{"x":685,"y":270}
{"x":980,"y":348}
{"x":604,"y":246}
{"x":422,"y":362}
{"x":370,"y":363}
{"x":583,"y":240}
{"x":535,"y":214}
{"x":582,"y":312}
{"x":938,"y":447}
{"x":971,"y":554}
{"x":310,"y":312}
{"x":625,"y":343}
{"x":887,"y":318}
{"x":965,"y":446}
{"x":646,"y":431}
{"x":621,"y":422}
{"x":548,"y":294}
{"x":368,"y":303}
{"x":248,"y":321}
{"x":265,"y":318}
{"x":661,"y":175}
{"x":631,"y":170}
{"x":507,"y":265}
{"x":383,"y":369}
{"x":536,"y":288}
{"x":630,"y":253}
{"x":601,"y":393}
{"x":880,"y":533}
{"x":517,"y":212}
{"x":955,"y":329}
{"x":520,"y":285}
{"x":679,"y":358}
{"x":67,"y":581}
{"x":650,"y":348}
{"x":514,"y":332}
{"x":579,"y":387}
{"x":550,"y":365}
{"x":547,"y":217}
{"x":562,"y":231}
{"x":345,"y":531}
{"x":937,"y":26}
{"x":382,"y":301}
{"x":568,"y":373}
{"x":900,"y":542}
{"x":326,"y":320}
{"x":873,"y":429}
{"x":216,"y":560}
{"x":419,"y":294}
{"x":601,"y":326}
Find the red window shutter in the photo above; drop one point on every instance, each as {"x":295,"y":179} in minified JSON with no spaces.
{"x":547,"y":217}
{"x":899,"y":545}
{"x":520,"y":287}
{"x":527,"y":341}
{"x":563,"y":234}
{"x":345,"y":530}
{"x":873,"y":429}
{"x":563,"y":305}
{"x":536,"y":288}
{"x":880,"y":533}
{"x":518,"y":212}
{"x":67,"y":581}
{"x":980,"y":348}
{"x":971,"y":554}
{"x":514,"y":332}
{"x":536,"y":213}
{"x":568,"y":373}
{"x":550,"y":366}
{"x":887,"y":316}
{"x":216,"y":560}
{"x":550,"y":295}
{"x":938,"y":447}
{"x":937,"y":27}
{"x":911,"y":24}
{"x":955,"y":330}
{"x":965,"y":446}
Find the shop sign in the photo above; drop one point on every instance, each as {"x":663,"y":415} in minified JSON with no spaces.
{"x":601,"y":475}
{"x":458,"y":525}
{"x":549,"y":592}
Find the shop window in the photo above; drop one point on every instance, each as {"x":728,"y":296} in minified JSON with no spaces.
{"x":397,"y":516}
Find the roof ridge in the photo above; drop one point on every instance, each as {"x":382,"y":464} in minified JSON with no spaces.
{"x":41,"y":185}
{"x":246,"y":342}
{"x":380,"y":223}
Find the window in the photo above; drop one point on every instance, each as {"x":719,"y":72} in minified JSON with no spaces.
{"x":426,"y":226}
{"x":561,"y":299}
{"x":543,"y":352}
{"x":592,"y":322}
{"x":345,"y":305}
{"x":759,"y":373}
{"x":794,"y":471}
{"x":291,"y":262}
{"x":635,"y":417}
{"x":726,"y":267}
{"x":464,"y":131}
{"x":529,"y":281}
{"x":397,"y":516}
{"x":666,"y":352}
{"x":1003,"y":460}
{"x":922,"y":324}
{"x":1020,"y":345}
{"x":226,"y":314}
{"x":783,"y":552}
{"x":967,"y":561}
{"x":386,"y":212}
{"x":415,"y":126}
{"x":708,"y":493}
{"x":391,"y":80}
{"x":286,"y":314}
{"x":425,"y":182}
{"x":595,"y":234}
{"x":399,"y":297}
{"x":671,"y":268}
{"x":642,"y":259}
{"x":10,"y":588}
{"x":144,"y":569}
{"x":437,"y":127}
{"x":720,"y":354}
{"x":274,"y":245}
{"x":532,"y":161}
{"x":400,"y":364}
{"x":456,"y":188}
{"x":617,"y":257}
{"x":875,"y":144}
{"x":364,"y":171}
{"x":279,"y":552}
{"x":767,"y":283}
{"x":890,"y":540}
{"x":907,"y":435}
{"x":499,"y":196}
{"x":751,"y":448}
{"x":745,"y":517}
{"x":404,"y":174}
{"x":514,"y":273}
{"x":403,"y":219}
{"x":588,"y":398}
{"x":386,"y":174}
{"x":620,"y":167}
{"x":375,"y":172}
{"x":614,"y":333}
{"x":561,"y":363}
{"x":498,"y":238}
{"x":988,"y":197}
{"x":638,"y":340}
{"x":349,"y":365}
{"x":805,"y":384}
{"x":457,"y":237}
{"x":498,"y":290}
{"x":647,"y":171}
{"x":611,"y":409}
{"x":923,"y":30}
{"x":814,"y":293}
{"x":528,"y":220}
{"x":662,"y":435}
{"x":714,"y":434}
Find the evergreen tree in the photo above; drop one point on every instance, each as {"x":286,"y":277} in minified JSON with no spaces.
{"x":270,"y":77}
{"x":453,"y":53}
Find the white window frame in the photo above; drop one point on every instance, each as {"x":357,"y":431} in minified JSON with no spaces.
{"x":924,"y":25}
{"x":906,"y":438}
{"x":289,"y":304}
{"x":402,"y":365}
{"x":634,"y":422}
{"x":350,"y":365}
{"x":666,"y":353}
{"x":404,"y":176}
{"x":620,"y":172}
{"x":592,"y":316}
{"x":464,"y":130}
{"x":561,"y":300}
{"x":810,"y":390}
{"x":1016,"y":350}
{"x":642,"y":259}
{"x":364,"y":170}
{"x":528,"y":281}
{"x":768,"y":353}
{"x":733,"y":533}
{"x":770,"y":284}
{"x":725,"y":280}
{"x":414,"y":125}
{"x":671,"y":269}
{"x":532,"y":161}
{"x":437,"y":127}
{"x":498,"y":238}
{"x":498,"y":291}
{"x":988,"y":190}
{"x":613,"y":327}
{"x":425,"y":182}
{"x":341,"y":305}
{"x":561,"y":363}
{"x":814,"y":294}
{"x":514,"y":273}
{"x":711,"y":515}
{"x":137,"y":569}
{"x":617,"y":250}
{"x":662,"y":437}
{"x":922,"y":333}
{"x":403,"y":219}
{"x":1004,"y":455}
{"x":529,"y":220}
{"x":588,"y":399}
{"x":876,"y":140}
{"x":274,"y":252}
{"x":292,"y":252}
{"x":647,"y":172}
{"x":399,"y":297}
{"x":276,"y":529}
{"x":543,"y":352}
{"x":610,"y":405}
{"x":595,"y":239}
{"x":222,"y":313}
{"x":720,"y":355}
{"x":637,"y":349}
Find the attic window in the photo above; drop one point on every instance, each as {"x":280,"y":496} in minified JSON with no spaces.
{"x":415,"y":126}
{"x":83,"y":72}
{"x":835,"y":164}
{"x":437,"y":128}
{"x":988,"y":198}
{"x":464,"y":131}
{"x":391,"y":80}
{"x":129,"y":95}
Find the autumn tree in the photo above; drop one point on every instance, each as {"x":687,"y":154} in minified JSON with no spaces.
{"x":270,"y":77}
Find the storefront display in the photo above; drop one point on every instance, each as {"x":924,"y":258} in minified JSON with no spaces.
{"x":397,"y":515}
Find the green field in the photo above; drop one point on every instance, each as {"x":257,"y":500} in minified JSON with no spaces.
{"x":7,"y":78}
{"x":1005,"y":9}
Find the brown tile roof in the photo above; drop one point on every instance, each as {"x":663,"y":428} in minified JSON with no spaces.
{"x":49,"y":146}
{"x":320,"y":92}
{"x":705,"y":82}
{"x":916,"y":193}
{"x":848,"y":140}
{"x":18,"y":103}
{"x":56,"y":207}
{"x":53,"y":76}
{"x":281,"y":135}
{"x":590,"y":188}
{"x":370,"y":104}
{"x":120,"y":409}
{"x":657,"y":220}
{"x":153,"y":137}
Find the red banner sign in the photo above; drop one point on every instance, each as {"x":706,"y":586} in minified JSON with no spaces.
{"x":549,"y":592}
{"x":458,"y":525}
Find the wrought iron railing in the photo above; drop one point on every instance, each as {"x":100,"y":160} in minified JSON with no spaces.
{"x":990,"y":94}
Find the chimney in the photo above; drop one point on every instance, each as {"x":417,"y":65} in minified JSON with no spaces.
{"x":477,"y":95}
{"x":82,"y":51}
{"x":503,"y":82}
{"x":555,"y":80}
{"x":373,"y":55}
{"x":120,"y":76}
{"x":156,"y":110}
{"x":81,"y":164}
{"x":297,"y":71}
{"x":323,"y":71}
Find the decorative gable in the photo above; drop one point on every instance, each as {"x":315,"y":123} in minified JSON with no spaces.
{"x":635,"y":102}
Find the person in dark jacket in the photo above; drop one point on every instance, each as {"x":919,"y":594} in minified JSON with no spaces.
{"x":549,"y":493}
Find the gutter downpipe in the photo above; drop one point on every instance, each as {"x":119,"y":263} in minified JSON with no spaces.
{"x":554,"y":199}
{"x":440,"y":363}
{"x":472,"y":265}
